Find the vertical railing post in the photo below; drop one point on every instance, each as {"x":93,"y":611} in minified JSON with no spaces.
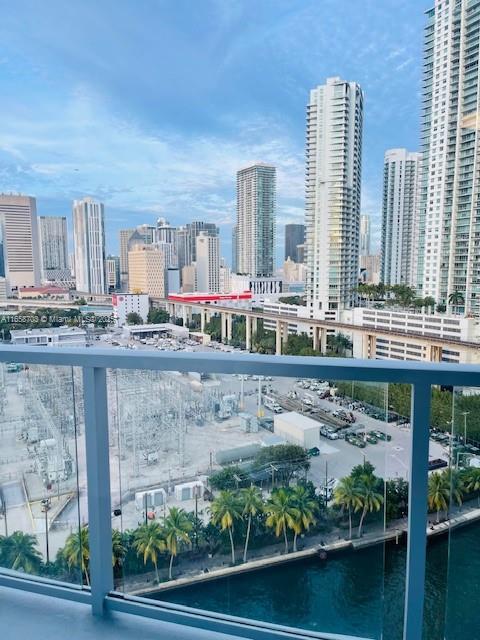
{"x":417,"y":511}
{"x":98,"y":485}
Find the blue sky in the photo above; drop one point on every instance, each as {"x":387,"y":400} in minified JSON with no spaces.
{"x":153,"y":105}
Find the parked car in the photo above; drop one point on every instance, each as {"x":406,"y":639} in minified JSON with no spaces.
{"x":313,"y":452}
{"x":438,"y":463}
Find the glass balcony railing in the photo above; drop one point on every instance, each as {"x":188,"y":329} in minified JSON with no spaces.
{"x":256,"y":495}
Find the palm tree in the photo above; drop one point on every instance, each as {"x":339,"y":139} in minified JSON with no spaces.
{"x":149,"y":542}
{"x":456,"y":299}
{"x":176,"y":529}
{"x":347,"y":495}
{"x":307,"y":508}
{"x":438,"y":493}
{"x":429,"y":302}
{"x":370,"y":498}
{"x":77,"y":551}
{"x":252,"y":503}
{"x":455,"y":485}
{"x":472,"y":481}
{"x":225,"y":510}
{"x":21,"y":553}
{"x":118,"y":548}
{"x":281,"y":514}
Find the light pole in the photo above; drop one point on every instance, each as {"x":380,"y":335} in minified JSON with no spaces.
{"x":3,"y":512}
{"x":465,"y":414}
{"x":45,"y":508}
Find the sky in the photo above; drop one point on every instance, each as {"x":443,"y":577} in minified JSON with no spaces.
{"x":152,"y":106}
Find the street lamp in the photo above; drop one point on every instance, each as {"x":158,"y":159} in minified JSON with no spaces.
{"x":465,"y":414}
{"x":46,"y":504}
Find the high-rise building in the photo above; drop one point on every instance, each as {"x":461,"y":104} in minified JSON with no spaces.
{"x":146,"y":270}
{"x":365,"y":242}
{"x":225,"y":277}
{"x":401,"y":176}
{"x":53,"y":244}
{"x":182,"y":251}
{"x":449,"y":220}
{"x":124,"y":237}
{"x":165,"y":232}
{"x":193,"y":231}
{"x":332,"y":208}
{"x":294,"y":236}
{"x":256,"y":194}
{"x":148,"y":232}
{"x":189,"y":278}
{"x":208,"y":263}
{"x":234,"y":249}
{"x":112,"y":268}
{"x":21,"y":250}
{"x":89,"y":245}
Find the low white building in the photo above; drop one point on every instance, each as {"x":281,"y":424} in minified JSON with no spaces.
{"x":139,"y":331}
{"x":125,"y":303}
{"x":297,"y":429}
{"x":261,"y":287}
{"x":50,"y":337}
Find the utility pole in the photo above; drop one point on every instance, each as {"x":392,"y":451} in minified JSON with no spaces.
{"x":45,"y":508}
{"x":326,"y":483}
{"x":465,"y":414}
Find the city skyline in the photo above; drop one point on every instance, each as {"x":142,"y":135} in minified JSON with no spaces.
{"x":147,"y":157}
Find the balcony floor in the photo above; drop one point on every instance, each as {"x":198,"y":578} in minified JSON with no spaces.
{"x":36,"y":617}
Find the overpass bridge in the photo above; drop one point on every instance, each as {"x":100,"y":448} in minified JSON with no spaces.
{"x":318,"y":329}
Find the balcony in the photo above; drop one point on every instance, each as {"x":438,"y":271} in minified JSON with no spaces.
{"x":96,"y":440}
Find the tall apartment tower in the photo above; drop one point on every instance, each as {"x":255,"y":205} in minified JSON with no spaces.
{"x":89,"y":244}
{"x":401,"y":176}
{"x":124,"y":239}
{"x":165,"y":232}
{"x":53,"y":243}
{"x":18,"y":218}
{"x":193,"y":230}
{"x":294,"y":236}
{"x":449,"y":220}
{"x":234,"y":249}
{"x":365,"y":238}
{"x":256,"y":195}
{"x":332,"y":195}
{"x":208,"y":263}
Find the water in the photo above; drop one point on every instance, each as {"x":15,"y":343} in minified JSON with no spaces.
{"x":359,"y":593}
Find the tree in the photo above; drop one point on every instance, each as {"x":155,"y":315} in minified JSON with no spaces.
{"x":227,"y":478}
{"x":177,"y":529}
{"x":456,"y":299}
{"x":118,"y":548}
{"x":339,"y":343}
{"x":149,"y":542}
{"x":134,"y":318}
{"x":281,"y":514}
{"x":225,"y":511}
{"x":157,"y":316}
{"x":76,"y":552}
{"x":429,"y":303}
{"x":307,"y":509}
{"x":20,"y":553}
{"x":438,"y":493}
{"x":252,"y":504}
{"x":284,"y":459}
{"x":455,"y":484}
{"x":347,"y":496}
{"x":472,"y":481}
{"x":371,"y":499}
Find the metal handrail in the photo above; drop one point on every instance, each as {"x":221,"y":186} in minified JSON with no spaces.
{"x":95,"y":362}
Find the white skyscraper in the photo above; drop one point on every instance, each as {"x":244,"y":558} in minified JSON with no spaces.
{"x":365,"y":242}
{"x":89,"y":243}
{"x":53,"y":243}
{"x":21,"y":247}
{"x":332,"y":207}
{"x":449,"y":213}
{"x":401,"y":177}
{"x":208,"y":263}
{"x":256,"y":194}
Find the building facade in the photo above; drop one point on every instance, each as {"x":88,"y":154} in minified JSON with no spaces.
{"x":124,"y":238}
{"x":234,"y":249}
{"x":112,"y":268}
{"x":125,"y":303}
{"x":147,"y":271}
{"x":256,"y":203}
{"x":332,"y":193}
{"x":449,"y":237}
{"x":294,"y":236}
{"x":208,"y":263}
{"x":21,"y":247}
{"x":89,"y":245}
{"x":401,"y":176}
{"x":365,"y":238}
{"x":53,"y":245}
